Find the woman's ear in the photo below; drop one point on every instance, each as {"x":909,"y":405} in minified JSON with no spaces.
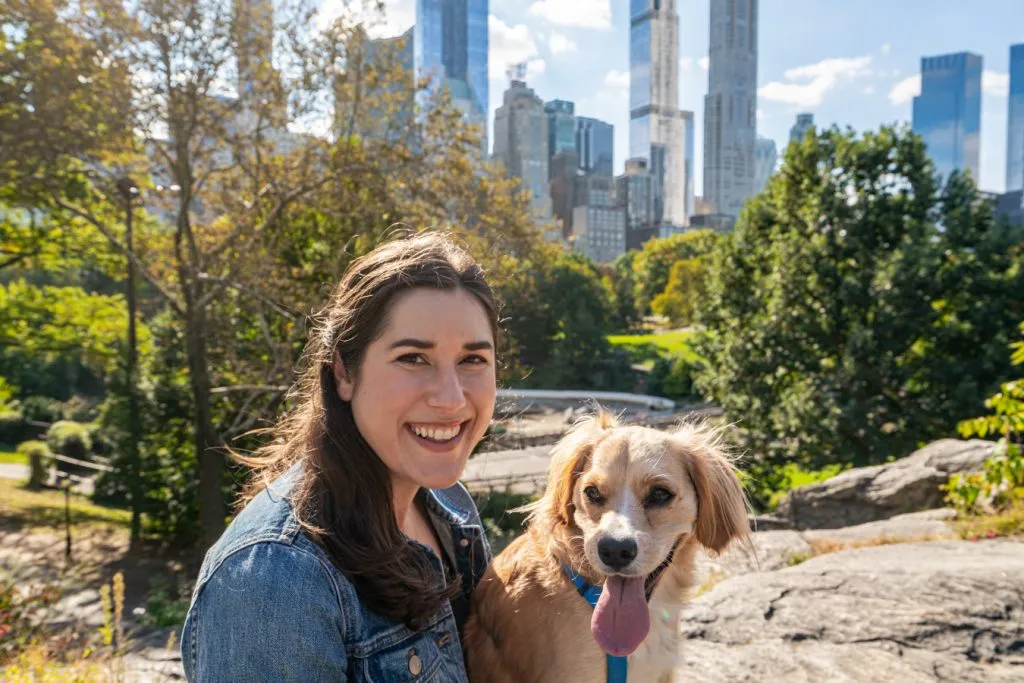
{"x":343,"y":380}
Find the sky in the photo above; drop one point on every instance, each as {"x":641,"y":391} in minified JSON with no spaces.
{"x":849,"y":64}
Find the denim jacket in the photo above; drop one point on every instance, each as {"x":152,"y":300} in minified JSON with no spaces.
{"x":270,"y":606}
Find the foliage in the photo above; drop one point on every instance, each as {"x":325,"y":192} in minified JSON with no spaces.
{"x":19,"y":505}
{"x":684,"y":290}
{"x":501,"y":517}
{"x":42,"y":409}
{"x":23,"y":613}
{"x":855,"y":311}
{"x":653,"y":264}
{"x":673,"y":378}
{"x":71,"y":439}
{"x":33,"y":448}
{"x":164,"y":608}
{"x":622,"y":284}
{"x":792,"y":476}
{"x":1007,"y":522}
{"x":1001,"y":484}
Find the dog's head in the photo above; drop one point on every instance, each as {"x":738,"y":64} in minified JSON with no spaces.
{"x":629,"y":494}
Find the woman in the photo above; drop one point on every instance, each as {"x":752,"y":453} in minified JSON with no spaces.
{"x":357,"y":552}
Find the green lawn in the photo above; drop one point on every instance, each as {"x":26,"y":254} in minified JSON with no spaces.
{"x":666,"y":343}
{"x":12,"y":458}
{"x":46,"y":508}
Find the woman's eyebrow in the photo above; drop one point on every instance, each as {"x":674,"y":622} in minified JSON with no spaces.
{"x":422,"y":344}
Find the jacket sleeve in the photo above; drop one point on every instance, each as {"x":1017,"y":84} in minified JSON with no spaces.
{"x":270,"y":612}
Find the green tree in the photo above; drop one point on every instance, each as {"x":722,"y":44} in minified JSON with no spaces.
{"x":653,"y":264}
{"x":683,"y":293}
{"x":623,"y":287}
{"x":856,"y":311}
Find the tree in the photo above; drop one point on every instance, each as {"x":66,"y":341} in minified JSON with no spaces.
{"x":683,"y":293}
{"x":856,"y":311}
{"x":654,"y":262}
{"x":623,"y":287}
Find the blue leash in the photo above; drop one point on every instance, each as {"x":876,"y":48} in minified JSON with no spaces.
{"x":616,"y":665}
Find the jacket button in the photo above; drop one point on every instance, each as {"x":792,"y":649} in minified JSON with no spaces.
{"x":464,"y":542}
{"x":415,"y":663}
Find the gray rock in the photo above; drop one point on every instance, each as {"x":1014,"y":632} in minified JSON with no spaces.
{"x":867,"y":494}
{"x":940,"y":611}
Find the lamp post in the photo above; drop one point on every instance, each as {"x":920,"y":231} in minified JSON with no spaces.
{"x":128,"y":192}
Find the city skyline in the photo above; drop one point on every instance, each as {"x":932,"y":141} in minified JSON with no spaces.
{"x":838,"y":62}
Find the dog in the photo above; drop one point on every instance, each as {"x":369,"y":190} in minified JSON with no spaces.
{"x":625,"y":508}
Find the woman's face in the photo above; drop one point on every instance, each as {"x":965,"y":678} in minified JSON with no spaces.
{"x":424,"y":392}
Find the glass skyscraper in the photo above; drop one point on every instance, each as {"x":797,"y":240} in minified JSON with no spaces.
{"x":595,"y":146}
{"x":656,"y":125}
{"x":450,"y":44}
{"x":1015,"y":128}
{"x":947,"y":113}
{"x":561,"y":127}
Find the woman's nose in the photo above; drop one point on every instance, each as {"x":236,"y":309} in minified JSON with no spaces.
{"x":448,"y":393}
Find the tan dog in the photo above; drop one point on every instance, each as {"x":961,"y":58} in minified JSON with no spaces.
{"x":626,"y":507}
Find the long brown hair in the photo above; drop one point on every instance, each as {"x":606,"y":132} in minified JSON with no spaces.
{"x":343,"y":496}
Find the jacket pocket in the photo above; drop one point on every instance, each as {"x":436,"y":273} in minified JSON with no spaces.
{"x":417,"y":658}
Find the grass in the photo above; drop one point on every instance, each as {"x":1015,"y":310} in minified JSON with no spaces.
{"x":675,"y":343}
{"x":1009,"y":522}
{"x":46,"y":508}
{"x":13,"y":458}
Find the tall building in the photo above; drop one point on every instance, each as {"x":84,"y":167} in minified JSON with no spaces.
{"x":947,"y":113}
{"x":595,"y":146}
{"x":521,"y":142}
{"x":688,"y":174}
{"x":730,"y":107}
{"x":598,"y":220}
{"x":562,"y":171}
{"x":765,"y":158}
{"x":636,"y":196}
{"x":1015,"y":121}
{"x":656,"y":125}
{"x":450,"y":46}
{"x":561,"y":128}
{"x":804,"y":122}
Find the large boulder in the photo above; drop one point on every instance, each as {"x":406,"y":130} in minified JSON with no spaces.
{"x":867,"y":494}
{"x":935,"y":611}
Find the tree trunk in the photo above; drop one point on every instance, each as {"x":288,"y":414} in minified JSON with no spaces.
{"x":210,"y":458}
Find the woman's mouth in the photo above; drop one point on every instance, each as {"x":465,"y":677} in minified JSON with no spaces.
{"x":437,"y":436}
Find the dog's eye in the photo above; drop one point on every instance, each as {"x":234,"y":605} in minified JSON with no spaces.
{"x":659,"y":496}
{"x":593,"y":495}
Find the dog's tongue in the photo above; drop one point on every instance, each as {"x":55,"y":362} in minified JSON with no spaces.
{"x":621,"y":621}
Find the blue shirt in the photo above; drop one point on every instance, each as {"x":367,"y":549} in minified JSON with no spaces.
{"x":270,"y":606}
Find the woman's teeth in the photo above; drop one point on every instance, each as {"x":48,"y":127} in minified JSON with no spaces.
{"x":438,"y":433}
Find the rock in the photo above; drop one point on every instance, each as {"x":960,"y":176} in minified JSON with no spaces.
{"x":939,"y":611}
{"x":867,"y":494}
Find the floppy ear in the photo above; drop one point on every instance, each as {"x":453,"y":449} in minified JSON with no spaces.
{"x":721,"y":505}
{"x":569,"y":460}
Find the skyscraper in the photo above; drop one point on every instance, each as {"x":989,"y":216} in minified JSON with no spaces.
{"x":656,"y":126}
{"x":521,"y":142}
{"x":561,"y":127}
{"x":766,"y":157}
{"x":804,"y":122}
{"x":595,"y":146}
{"x":947,"y":113}
{"x":1015,"y":127}
{"x":730,"y":106}
{"x":450,"y":45}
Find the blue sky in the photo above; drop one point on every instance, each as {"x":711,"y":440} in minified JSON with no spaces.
{"x":850,"y":63}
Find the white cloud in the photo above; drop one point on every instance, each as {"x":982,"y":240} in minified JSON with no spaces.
{"x":869,"y":90}
{"x":509,"y":45}
{"x":886,"y":49}
{"x":905,"y":90}
{"x":806,"y":86}
{"x":995,"y":83}
{"x":578,"y":13}
{"x":560,"y":44}
{"x":535,"y":67}
{"x":704,"y":63}
{"x":398,"y":16}
{"x":617,"y":79}
{"x":686,"y":63}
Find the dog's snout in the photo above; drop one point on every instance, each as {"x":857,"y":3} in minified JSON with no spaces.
{"x":617,"y":553}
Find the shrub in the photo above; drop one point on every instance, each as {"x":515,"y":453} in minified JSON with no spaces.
{"x":42,"y":409}
{"x":70,"y":439}
{"x":14,"y":428}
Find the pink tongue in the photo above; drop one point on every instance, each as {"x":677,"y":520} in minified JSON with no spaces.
{"x":621,"y":620}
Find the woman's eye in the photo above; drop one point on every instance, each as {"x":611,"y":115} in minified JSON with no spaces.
{"x":659,"y":496}
{"x":412,"y":359}
{"x":475,"y":360}
{"x":593,"y":495}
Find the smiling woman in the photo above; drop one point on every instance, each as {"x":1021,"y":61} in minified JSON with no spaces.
{"x":357,"y":551}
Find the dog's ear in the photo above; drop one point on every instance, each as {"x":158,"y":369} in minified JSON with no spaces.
{"x":569,"y":460}
{"x":721,"y":505}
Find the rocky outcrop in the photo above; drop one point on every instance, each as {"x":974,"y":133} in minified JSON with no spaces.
{"x":935,"y":611}
{"x":867,"y":494}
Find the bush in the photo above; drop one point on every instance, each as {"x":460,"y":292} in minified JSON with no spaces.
{"x":14,"y":428}
{"x":70,"y":439}
{"x":39,"y":461}
{"x":42,"y":409}
{"x":673,"y":378}
{"x":34,"y":447}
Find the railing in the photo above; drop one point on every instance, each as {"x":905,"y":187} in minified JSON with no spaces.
{"x":65,"y":480}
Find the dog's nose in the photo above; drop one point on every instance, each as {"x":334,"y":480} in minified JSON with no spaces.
{"x":616,"y":553}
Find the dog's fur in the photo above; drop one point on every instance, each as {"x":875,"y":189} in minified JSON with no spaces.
{"x":529,"y":624}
